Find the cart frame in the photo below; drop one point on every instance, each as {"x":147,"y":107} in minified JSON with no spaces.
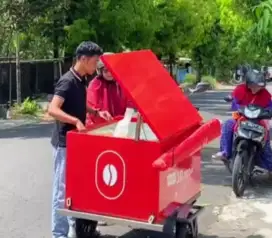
{"x":166,"y":227}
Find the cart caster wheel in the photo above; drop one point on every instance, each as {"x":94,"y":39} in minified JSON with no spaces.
{"x":86,"y":229}
{"x":185,"y":230}
{"x":252,"y":182}
{"x":195,"y":228}
{"x":170,"y":227}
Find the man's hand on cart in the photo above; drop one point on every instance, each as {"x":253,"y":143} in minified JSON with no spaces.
{"x":80,"y":126}
{"x":105,"y":115}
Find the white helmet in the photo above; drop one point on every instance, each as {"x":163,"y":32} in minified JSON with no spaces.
{"x":100,"y":64}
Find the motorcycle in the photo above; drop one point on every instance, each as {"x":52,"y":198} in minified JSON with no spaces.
{"x":250,"y":135}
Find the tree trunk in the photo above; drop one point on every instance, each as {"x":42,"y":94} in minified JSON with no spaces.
{"x":171,"y":64}
{"x":199,"y":69}
{"x":212,"y":71}
{"x":171,"y":68}
{"x":10,"y":84}
{"x":56,"y":51}
{"x":18,"y":70}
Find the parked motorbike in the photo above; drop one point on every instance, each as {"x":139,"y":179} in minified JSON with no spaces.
{"x":250,"y":135}
{"x":236,"y":80}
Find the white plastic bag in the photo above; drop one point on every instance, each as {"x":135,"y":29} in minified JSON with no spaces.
{"x":122,"y":127}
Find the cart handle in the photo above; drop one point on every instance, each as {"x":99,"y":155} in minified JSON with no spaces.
{"x":187,"y":148}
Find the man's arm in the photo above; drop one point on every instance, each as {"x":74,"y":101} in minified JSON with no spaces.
{"x":61,"y":91}
{"x":103,"y":114}
{"x":56,"y":112}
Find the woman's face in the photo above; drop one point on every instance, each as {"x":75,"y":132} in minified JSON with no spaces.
{"x":107,"y":74}
{"x":254,"y":88}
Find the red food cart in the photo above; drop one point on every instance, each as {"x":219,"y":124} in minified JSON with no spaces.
{"x":151,"y":179}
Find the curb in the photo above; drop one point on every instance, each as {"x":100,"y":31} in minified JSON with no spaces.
{"x":10,"y":124}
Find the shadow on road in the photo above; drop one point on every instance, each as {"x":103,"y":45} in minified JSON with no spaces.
{"x":214,"y":172}
{"x":27,"y":131}
{"x":214,"y":95}
{"x":150,"y":234}
{"x":212,"y":102}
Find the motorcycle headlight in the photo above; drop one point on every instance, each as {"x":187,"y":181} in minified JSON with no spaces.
{"x":249,"y":134}
{"x":252,"y":114}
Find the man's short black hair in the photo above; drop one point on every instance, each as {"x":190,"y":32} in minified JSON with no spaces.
{"x":88,"y":48}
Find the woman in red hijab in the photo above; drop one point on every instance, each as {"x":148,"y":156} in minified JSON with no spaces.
{"x":105,"y":94}
{"x":251,"y":92}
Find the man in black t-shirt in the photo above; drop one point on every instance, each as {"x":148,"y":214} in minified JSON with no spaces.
{"x":68,"y":107}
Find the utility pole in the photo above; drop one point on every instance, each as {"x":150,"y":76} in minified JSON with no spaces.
{"x":10,"y":82}
{"x":18,"y":69}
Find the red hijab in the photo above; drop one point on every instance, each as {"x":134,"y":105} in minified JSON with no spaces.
{"x":105,"y":95}
{"x":243,"y":96}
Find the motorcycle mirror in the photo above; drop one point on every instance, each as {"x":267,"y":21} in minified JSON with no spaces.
{"x":269,"y":113}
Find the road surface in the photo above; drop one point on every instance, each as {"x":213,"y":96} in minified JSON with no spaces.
{"x":26,"y":176}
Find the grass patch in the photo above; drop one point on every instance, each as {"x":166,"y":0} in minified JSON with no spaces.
{"x":190,"y":79}
{"x":210,"y":80}
{"x":28,"y":109}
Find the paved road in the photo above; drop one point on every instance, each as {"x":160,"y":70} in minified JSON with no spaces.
{"x":25,"y":185}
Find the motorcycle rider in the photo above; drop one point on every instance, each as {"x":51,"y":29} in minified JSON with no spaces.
{"x":243,"y":70}
{"x":253,"y":91}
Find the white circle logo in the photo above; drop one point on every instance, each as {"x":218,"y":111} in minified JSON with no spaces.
{"x":110,"y":175}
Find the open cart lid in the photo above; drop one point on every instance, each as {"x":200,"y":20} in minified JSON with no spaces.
{"x":156,"y":95}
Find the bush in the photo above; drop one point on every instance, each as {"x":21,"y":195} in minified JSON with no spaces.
{"x":28,"y":107}
{"x":210,"y":80}
{"x":190,"y":79}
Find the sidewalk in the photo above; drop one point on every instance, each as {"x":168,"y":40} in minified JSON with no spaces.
{"x":7,"y":124}
{"x":11,"y":123}
{"x":224,"y":87}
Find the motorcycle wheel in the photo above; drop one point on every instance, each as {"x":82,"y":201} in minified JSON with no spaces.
{"x":239,"y":176}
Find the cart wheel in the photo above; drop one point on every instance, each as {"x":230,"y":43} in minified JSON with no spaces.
{"x":185,"y":230}
{"x":195,"y":228}
{"x":170,"y":226}
{"x":86,"y":229}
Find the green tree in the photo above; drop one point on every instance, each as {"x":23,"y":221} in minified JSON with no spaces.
{"x":115,"y":24}
{"x":263,"y":26}
{"x":178,"y":28}
{"x":209,"y":31}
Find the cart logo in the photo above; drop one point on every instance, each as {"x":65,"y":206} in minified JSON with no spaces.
{"x":110,"y":174}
